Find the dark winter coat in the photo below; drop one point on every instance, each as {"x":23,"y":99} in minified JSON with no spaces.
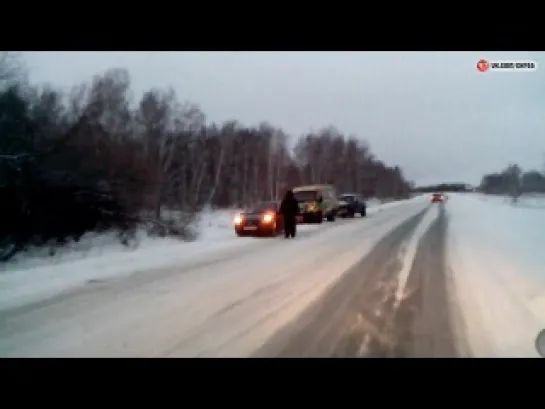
{"x":289,"y":207}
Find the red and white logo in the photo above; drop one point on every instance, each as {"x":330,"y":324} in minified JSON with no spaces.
{"x":482,"y":65}
{"x":506,"y":65}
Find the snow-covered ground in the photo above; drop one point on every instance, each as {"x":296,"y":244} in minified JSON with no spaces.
{"x":210,"y":225}
{"x":220,"y":306}
{"x":496,"y":252}
{"x":34,"y":275}
{"x":495,"y":255}
{"x":529,"y":201}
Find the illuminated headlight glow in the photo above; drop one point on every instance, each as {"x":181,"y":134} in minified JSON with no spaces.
{"x":238,"y":219}
{"x":268,"y":218}
{"x":312,"y":207}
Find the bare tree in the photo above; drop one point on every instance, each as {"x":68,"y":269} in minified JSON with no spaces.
{"x":92,"y":160}
{"x":513,"y":176}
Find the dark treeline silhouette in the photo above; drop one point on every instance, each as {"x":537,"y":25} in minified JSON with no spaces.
{"x":92,"y":159}
{"x":443,"y":187}
{"x":513,"y":181}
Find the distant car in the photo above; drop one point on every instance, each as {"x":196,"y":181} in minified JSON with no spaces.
{"x":437,"y":198}
{"x":351,"y":204}
{"x":260,"y":219}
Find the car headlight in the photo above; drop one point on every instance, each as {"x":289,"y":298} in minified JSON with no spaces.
{"x":268,"y":218}
{"x":238,"y":219}
{"x":312,"y":207}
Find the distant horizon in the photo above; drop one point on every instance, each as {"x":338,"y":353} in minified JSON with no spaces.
{"x":430,"y":113}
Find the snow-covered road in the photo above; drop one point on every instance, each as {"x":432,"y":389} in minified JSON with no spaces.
{"x":229,"y":296}
{"x":225,"y":303}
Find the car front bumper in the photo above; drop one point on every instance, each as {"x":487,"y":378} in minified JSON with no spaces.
{"x":255,"y":228}
{"x":309,"y":217}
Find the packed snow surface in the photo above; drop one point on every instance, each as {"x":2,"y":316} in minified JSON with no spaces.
{"x":224,"y":302}
{"x":496,"y":252}
{"x":222,"y":295}
{"x":34,"y":275}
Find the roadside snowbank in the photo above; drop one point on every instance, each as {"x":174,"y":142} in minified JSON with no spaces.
{"x":210,"y":225}
{"x":215,"y":224}
{"x":101,"y":257}
{"x":33,"y":275}
{"x":497,"y":261}
{"x":534,"y":200}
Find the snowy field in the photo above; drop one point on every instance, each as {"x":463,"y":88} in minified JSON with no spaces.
{"x":222,"y":295}
{"x":35,"y":275}
{"x":496,"y":252}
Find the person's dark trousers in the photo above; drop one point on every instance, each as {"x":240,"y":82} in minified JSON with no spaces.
{"x":290,"y":227}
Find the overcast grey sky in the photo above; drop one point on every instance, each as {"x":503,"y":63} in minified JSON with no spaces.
{"x":432,"y":113}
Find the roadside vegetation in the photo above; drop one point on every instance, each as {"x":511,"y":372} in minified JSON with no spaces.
{"x":514,"y":182}
{"x":94,"y":159}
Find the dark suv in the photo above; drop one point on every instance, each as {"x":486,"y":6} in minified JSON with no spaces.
{"x":350,"y":204}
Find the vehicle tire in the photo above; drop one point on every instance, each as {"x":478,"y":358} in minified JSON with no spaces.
{"x":239,"y":233}
{"x":363,"y":212}
{"x":319,"y":217}
{"x":330,"y":217}
{"x":351,"y":215}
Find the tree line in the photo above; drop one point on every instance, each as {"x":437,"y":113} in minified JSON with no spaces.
{"x":513,"y":181}
{"x":94,"y":159}
{"x":443,"y":187}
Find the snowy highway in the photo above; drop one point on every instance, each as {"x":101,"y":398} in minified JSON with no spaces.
{"x":463,"y":278}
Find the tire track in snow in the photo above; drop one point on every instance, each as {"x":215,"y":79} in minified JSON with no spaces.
{"x":423,"y":324}
{"x":260,"y":312}
{"x":152,"y":314}
{"x":359,"y":309}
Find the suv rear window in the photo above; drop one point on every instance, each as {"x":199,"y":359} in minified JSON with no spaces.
{"x":347,"y":198}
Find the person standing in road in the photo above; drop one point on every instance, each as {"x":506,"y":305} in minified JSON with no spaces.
{"x":289,"y":209}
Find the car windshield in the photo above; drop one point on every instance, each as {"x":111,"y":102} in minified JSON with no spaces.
{"x":263,"y":207}
{"x":306,"y":195}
